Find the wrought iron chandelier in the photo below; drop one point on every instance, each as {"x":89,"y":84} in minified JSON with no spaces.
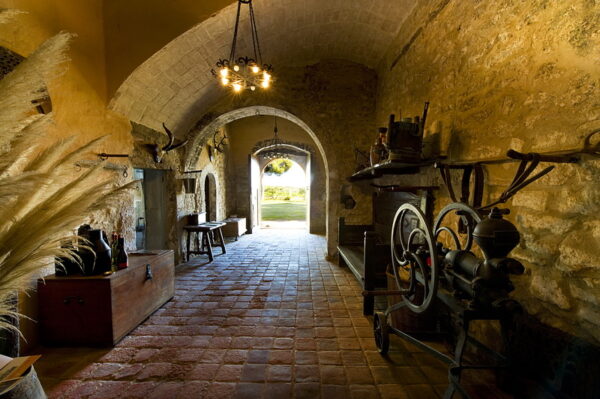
{"x":275,"y":148}
{"x":244,"y":72}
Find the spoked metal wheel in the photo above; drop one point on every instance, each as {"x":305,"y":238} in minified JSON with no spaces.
{"x":414,"y":258}
{"x":381,"y":333}
{"x":469,"y":218}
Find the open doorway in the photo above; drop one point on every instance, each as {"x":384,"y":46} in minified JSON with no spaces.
{"x":210,"y":197}
{"x":150,"y":204}
{"x":283,"y":202}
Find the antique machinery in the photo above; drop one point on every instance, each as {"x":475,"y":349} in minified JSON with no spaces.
{"x":470,"y":276}
{"x":405,"y":137}
{"x":472,"y":288}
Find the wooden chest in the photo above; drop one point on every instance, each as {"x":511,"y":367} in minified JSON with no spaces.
{"x":100,"y":310}
{"x":234,"y":227}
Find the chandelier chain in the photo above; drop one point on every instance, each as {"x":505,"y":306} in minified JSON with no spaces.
{"x":255,"y":42}
{"x":235,"y":33}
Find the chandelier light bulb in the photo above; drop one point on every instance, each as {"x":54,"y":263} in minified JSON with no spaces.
{"x":252,"y":87}
{"x":266,"y":76}
{"x":255,"y":69}
{"x":236,"y":68}
{"x":237,"y":87}
{"x":265,"y":84}
{"x":224,"y":72}
{"x":225,"y":81}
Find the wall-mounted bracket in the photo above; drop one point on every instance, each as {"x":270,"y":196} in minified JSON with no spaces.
{"x":104,"y":156}
{"x":107,"y":165}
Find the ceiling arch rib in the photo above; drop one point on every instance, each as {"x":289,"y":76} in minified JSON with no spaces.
{"x":175,"y":85}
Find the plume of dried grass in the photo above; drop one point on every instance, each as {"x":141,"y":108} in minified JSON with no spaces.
{"x":41,"y":200}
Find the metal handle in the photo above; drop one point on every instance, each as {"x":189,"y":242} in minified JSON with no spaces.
{"x":149,"y":275}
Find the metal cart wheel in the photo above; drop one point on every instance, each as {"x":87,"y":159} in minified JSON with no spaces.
{"x":381,"y":333}
{"x":418,"y":258}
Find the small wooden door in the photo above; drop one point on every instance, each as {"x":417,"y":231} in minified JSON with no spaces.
{"x":155,"y":198}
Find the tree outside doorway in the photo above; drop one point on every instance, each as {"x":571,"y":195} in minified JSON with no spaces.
{"x":284,"y":193}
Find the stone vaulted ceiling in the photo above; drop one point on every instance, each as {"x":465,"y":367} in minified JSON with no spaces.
{"x":175,"y":84}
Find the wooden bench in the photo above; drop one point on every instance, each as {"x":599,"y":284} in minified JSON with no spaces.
{"x":365,"y":249}
{"x":359,"y":249}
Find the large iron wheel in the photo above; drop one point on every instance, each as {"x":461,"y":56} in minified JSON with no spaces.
{"x":381,"y":333}
{"x":469,"y":217}
{"x":416,"y":267}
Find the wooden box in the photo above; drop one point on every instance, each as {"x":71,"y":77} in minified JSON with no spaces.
{"x":234,"y":227}
{"x":100,"y":310}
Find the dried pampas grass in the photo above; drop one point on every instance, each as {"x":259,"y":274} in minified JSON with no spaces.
{"x":7,"y":14}
{"x":41,"y":200}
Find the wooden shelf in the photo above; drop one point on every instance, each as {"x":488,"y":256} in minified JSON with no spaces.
{"x":390,"y":168}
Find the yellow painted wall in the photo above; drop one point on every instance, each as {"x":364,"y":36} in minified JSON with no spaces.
{"x":79,"y":96}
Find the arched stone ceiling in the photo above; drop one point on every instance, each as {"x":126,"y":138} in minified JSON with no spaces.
{"x":175,"y":84}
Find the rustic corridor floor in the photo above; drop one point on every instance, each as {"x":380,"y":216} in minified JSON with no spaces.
{"x":270,"y":319}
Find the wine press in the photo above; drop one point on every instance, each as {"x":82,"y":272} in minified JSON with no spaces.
{"x":433,"y":264}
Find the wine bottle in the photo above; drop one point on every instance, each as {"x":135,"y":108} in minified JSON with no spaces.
{"x":113,"y":246}
{"x":122,"y":259}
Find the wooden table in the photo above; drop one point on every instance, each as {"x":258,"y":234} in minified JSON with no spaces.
{"x":207,"y":231}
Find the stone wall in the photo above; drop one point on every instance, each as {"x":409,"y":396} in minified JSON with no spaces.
{"x":521,"y":75}
{"x":336,"y":101}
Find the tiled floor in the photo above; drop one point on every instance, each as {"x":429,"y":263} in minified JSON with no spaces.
{"x":270,"y":319}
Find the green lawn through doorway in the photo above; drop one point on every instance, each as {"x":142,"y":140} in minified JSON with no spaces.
{"x":283,"y":210}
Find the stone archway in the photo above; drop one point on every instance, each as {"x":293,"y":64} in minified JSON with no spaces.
{"x":209,"y":199}
{"x":206,"y":130}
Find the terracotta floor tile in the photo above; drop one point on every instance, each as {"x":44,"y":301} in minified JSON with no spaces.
{"x":269,"y":319}
{"x":329,"y":357}
{"x":249,"y":391}
{"x":128,"y":371}
{"x":306,"y":357}
{"x":307,"y":373}
{"x":219,"y":391}
{"x":333,"y":375}
{"x":308,"y":391}
{"x":235,"y":356}
{"x":258,"y":356}
{"x":393,"y":391}
{"x":359,"y":375}
{"x":278,"y":391}
{"x":281,"y":357}
{"x":363,"y":392}
{"x":229,"y":372}
{"x":203,"y":372}
{"x":192,"y":389}
{"x":335,"y":391}
{"x":253,"y":372}
{"x":327,"y":344}
{"x":279,"y":373}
